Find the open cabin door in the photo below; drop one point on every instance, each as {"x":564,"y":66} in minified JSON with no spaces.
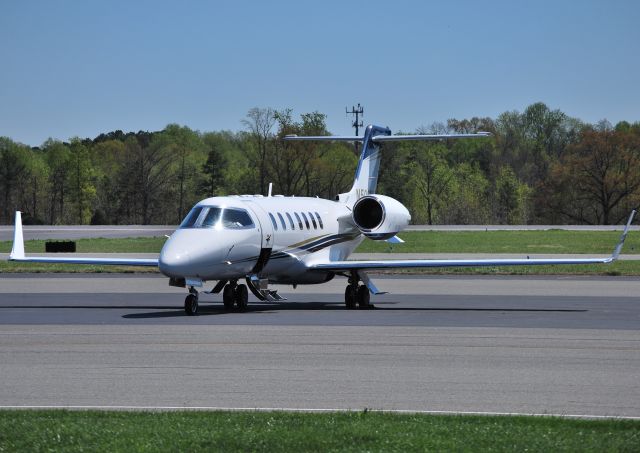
{"x":267,"y":232}
{"x":266,"y":226}
{"x":257,"y":282}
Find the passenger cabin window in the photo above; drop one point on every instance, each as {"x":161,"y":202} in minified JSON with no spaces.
{"x":299,"y":221}
{"x":284,"y":225}
{"x":306,"y":221}
{"x":273,"y":220}
{"x":293,"y":227}
{"x":216,"y":217}
{"x":319,"y":220}
{"x":313,"y":220}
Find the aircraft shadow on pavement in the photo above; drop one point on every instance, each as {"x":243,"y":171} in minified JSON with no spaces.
{"x":271,"y":307}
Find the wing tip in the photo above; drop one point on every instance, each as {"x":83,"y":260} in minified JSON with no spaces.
{"x":17,"y":251}
{"x":618,"y":248}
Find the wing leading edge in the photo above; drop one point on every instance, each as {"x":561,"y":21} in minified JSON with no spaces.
{"x":17,"y":254}
{"x":406,"y":264}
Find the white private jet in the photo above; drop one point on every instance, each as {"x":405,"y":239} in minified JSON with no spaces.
{"x":292,"y":240}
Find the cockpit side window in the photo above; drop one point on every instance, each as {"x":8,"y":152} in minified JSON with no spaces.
{"x":236,"y":219}
{"x":191,"y":218}
{"x":216,"y":217}
{"x":211,"y":217}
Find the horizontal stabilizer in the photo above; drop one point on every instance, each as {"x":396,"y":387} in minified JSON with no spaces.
{"x":384,"y":138}
{"x":323,"y":138}
{"x":426,"y":137}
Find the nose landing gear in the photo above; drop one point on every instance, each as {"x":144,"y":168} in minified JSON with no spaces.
{"x":191,"y":302}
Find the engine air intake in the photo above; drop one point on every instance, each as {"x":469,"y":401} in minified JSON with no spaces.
{"x":368,"y":213}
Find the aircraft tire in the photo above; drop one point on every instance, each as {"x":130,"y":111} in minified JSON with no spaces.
{"x":241,"y":297}
{"x":350,"y":297}
{"x":363,"y":297}
{"x":191,"y":305}
{"x":228,"y":297}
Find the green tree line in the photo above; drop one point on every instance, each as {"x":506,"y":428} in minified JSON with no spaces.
{"x":539,"y":166}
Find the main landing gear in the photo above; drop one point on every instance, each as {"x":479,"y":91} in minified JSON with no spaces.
{"x":356,"y":295}
{"x":232,"y":295}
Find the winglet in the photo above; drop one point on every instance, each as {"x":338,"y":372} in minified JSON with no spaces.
{"x":616,"y":251}
{"x":17,"y":252}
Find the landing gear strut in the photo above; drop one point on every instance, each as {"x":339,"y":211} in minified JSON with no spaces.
{"x":356,"y":295}
{"x":227,"y":296}
{"x":241,"y":297}
{"x":234,"y":294}
{"x":191,"y":302}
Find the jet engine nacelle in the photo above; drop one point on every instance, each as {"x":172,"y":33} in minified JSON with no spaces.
{"x":380,"y":217}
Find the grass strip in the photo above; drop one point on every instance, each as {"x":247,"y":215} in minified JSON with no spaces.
{"x":549,"y":241}
{"x":75,"y":431}
{"x":98,"y":245}
{"x":523,"y":242}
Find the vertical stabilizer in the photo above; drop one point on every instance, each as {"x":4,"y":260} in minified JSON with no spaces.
{"x":366,"y":178}
{"x":17,"y":252}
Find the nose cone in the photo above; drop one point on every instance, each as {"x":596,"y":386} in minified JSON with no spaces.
{"x":174,"y":258}
{"x":191,"y":253}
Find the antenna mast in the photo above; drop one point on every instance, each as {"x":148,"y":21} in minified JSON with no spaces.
{"x":357,"y":124}
{"x":357,"y":111}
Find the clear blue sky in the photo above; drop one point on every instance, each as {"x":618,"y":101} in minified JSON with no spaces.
{"x":79,"y":68}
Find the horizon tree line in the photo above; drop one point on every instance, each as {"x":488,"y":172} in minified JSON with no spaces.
{"x":539,"y":166}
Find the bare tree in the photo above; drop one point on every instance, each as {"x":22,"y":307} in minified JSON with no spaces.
{"x":260,"y":121}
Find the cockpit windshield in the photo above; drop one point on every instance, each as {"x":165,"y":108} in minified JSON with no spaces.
{"x":217,"y":217}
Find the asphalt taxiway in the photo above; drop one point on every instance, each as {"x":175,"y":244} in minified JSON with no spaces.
{"x":561,"y":345}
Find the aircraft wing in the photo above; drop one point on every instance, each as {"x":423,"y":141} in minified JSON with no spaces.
{"x":407,"y":264}
{"x":17,"y":254}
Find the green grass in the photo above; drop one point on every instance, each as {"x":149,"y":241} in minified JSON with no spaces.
{"x":75,"y":431}
{"x":99,"y":245}
{"x":524,"y":242}
{"x":551,"y":241}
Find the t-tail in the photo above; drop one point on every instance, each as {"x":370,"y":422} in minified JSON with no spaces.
{"x":365,"y":181}
{"x":366,"y":177}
